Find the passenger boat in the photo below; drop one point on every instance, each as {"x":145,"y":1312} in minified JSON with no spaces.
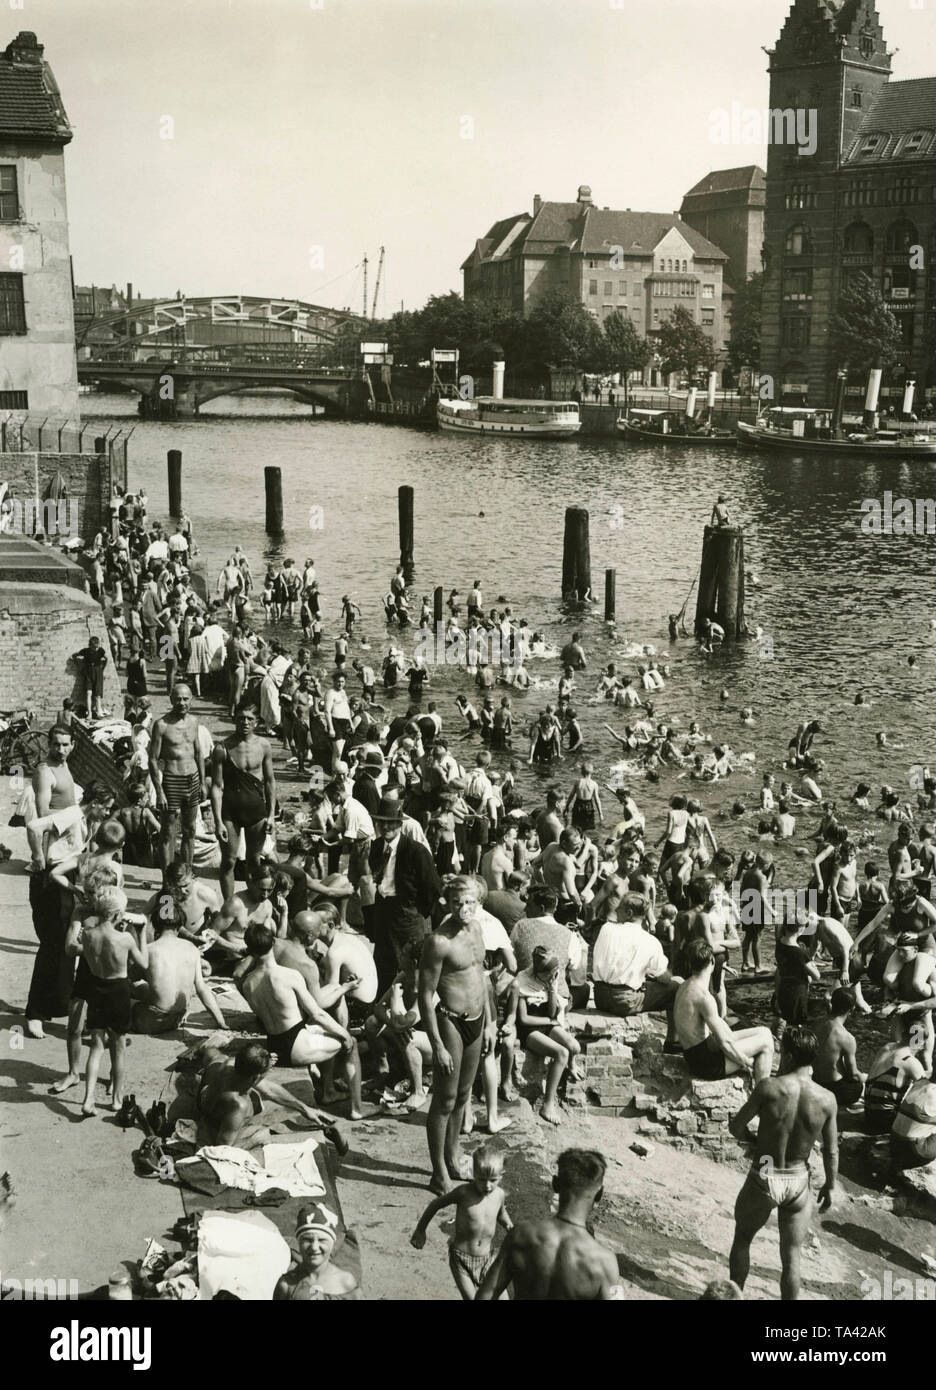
{"x":669,"y":427}
{"x":806,"y":430}
{"x":494,"y":415}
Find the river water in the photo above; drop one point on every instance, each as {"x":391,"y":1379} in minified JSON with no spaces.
{"x":840,"y":611}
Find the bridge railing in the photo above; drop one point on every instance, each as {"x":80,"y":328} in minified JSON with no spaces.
{"x":24,"y":434}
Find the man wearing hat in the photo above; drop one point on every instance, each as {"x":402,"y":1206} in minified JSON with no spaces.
{"x":366,"y":790}
{"x":406,"y":887}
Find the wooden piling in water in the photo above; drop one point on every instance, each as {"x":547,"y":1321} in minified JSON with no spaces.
{"x":438,"y":614}
{"x":174,"y":466}
{"x":405,"y":509}
{"x":721,"y":581}
{"x":273,"y":488}
{"x":576,"y":554}
{"x":610,"y":594}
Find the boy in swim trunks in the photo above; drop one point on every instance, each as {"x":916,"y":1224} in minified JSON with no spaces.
{"x":480,"y":1207}
{"x":107,"y":946}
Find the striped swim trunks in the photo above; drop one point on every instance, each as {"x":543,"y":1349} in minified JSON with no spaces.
{"x":182,"y":790}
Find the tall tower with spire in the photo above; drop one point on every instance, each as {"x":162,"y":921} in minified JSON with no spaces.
{"x":829,"y":68}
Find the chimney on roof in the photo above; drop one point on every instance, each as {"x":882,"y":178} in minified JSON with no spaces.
{"x":25,"y":48}
{"x":537,"y":204}
{"x":584,"y":196}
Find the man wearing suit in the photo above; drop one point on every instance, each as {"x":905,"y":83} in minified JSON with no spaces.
{"x":407,"y":889}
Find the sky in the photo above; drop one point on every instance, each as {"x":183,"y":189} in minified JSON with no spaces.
{"x":265,"y":146}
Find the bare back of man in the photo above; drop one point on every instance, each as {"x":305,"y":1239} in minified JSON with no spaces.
{"x":281,"y":1001}
{"x":552,"y":1260}
{"x":793,"y":1111}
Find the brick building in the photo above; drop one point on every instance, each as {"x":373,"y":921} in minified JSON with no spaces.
{"x":38,"y":373}
{"x":728,"y":207}
{"x":642,"y":264}
{"x":865,"y":201}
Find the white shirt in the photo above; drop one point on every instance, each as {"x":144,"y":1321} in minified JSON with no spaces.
{"x":414,"y":831}
{"x":353,"y":820}
{"x":494,"y":933}
{"x":625,"y":954}
{"x":387,"y":885}
{"x":177,"y":543}
{"x":157,"y":550}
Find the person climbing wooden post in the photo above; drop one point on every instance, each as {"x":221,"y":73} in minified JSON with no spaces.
{"x":721,"y":582}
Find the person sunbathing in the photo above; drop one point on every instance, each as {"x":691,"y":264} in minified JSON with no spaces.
{"x":236,"y":1101}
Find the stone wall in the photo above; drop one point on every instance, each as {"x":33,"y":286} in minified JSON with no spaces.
{"x":627,"y":1073}
{"x":41,"y":627}
{"x":88,"y":479}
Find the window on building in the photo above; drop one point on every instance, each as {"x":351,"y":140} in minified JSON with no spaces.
{"x":708,"y":291}
{"x":9,"y":194}
{"x":592,"y":265}
{"x":593,"y":287}
{"x":901,"y":192}
{"x":798,"y":241}
{"x":866,"y":44}
{"x":622,"y":287}
{"x":795,"y":331}
{"x":900,"y":236}
{"x":871,"y":145}
{"x":906,"y":322}
{"x":609,"y":287}
{"x":14,"y":400}
{"x":899,"y":282}
{"x":708,"y":318}
{"x":857,"y":97}
{"x":914,"y":142}
{"x":801,"y":195}
{"x":12,"y":306}
{"x":858,"y":240}
{"x":797,"y":284}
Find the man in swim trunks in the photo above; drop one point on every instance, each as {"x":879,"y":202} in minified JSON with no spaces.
{"x":177,"y":769}
{"x":231,"y":1100}
{"x":458,"y":1021}
{"x":243,"y":794}
{"x":558,"y":1257}
{"x":279,"y":998}
{"x":173,"y":975}
{"x":711,"y":1049}
{"x":793,"y":1111}
{"x":836,"y":1066}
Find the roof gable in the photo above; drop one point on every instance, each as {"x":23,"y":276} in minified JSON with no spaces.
{"x":30,"y":104}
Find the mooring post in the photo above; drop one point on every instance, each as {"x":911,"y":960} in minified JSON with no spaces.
{"x":576,"y":554}
{"x":405,"y":509}
{"x":438,"y":616}
{"x":174,"y":465}
{"x":273,"y":488}
{"x":721,"y":581}
{"x":610,"y":594}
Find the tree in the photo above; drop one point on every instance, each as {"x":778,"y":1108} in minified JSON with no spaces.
{"x":560,"y":332}
{"x":625,"y":350}
{"x":683,"y":346}
{"x":863,"y":332}
{"x":745,"y":345}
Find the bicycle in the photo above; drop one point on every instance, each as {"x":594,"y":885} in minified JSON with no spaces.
{"x":22,"y":748}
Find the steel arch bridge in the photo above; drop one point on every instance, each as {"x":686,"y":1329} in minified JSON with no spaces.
{"x":214,"y":320}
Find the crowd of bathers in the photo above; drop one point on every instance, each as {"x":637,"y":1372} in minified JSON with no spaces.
{"x":413,"y":863}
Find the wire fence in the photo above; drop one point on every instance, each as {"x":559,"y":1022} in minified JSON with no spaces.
{"x":25,"y":435}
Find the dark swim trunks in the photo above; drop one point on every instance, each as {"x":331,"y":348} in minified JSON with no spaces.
{"x":468,"y":1029}
{"x":704,"y":1063}
{"x":281,"y":1044}
{"x":108,"y":1005}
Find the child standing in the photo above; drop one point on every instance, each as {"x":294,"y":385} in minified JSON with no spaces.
{"x":107,"y":946}
{"x":480,"y":1207}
